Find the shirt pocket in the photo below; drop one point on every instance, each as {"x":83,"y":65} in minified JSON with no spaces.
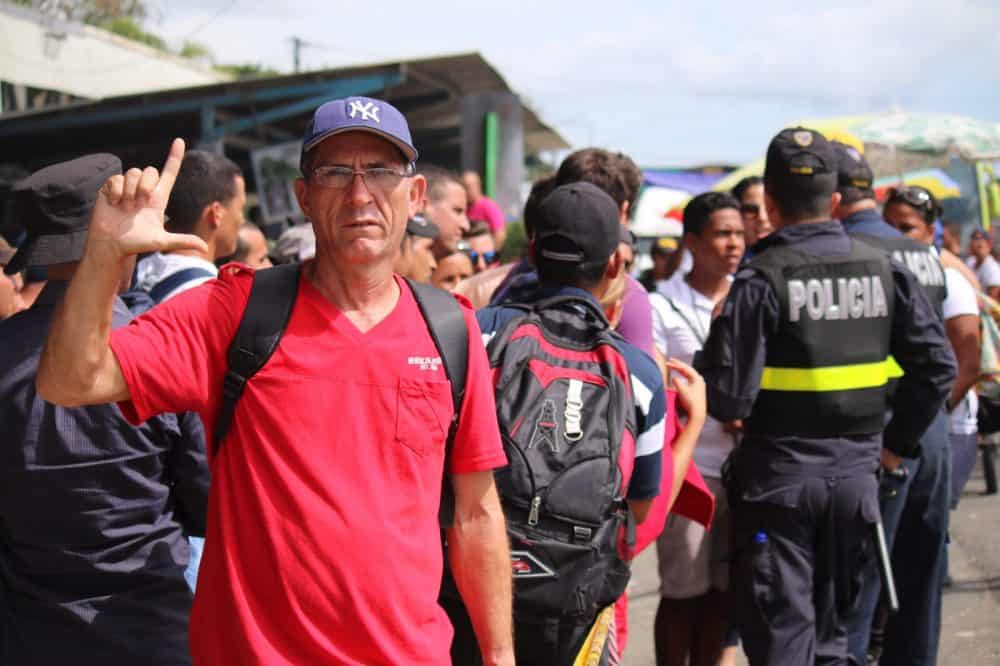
{"x":423,"y":415}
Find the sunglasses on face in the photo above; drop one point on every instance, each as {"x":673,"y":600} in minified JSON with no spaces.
{"x":488,"y":257}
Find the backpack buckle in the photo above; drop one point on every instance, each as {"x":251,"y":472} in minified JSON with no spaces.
{"x":233,"y":385}
{"x":582,"y":533}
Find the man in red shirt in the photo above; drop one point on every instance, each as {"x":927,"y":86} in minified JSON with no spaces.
{"x":323,"y":544}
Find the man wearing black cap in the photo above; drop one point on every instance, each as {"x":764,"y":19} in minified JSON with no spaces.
{"x":801,"y":353}
{"x":416,"y":254}
{"x":93,"y":509}
{"x":914,"y":497}
{"x":324,"y":542}
{"x":574,"y":248}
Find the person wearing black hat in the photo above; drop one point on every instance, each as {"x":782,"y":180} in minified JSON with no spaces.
{"x":659,"y":252}
{"x":94,"y":509}
{"x":416,"y":254}
{"x":575,"y":250}
{"x":919,"y":487}
{"x":801,"y":354}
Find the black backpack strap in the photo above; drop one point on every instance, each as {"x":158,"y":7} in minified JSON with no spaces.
{"x":264,"y":320}
{"x":163,"y":288}
{"x":446,"y":324}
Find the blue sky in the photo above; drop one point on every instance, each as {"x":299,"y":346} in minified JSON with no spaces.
{"x":671,"y":83}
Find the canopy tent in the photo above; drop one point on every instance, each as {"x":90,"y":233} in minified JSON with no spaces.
{"x":939,"y":183}
{"x":663,"y":190}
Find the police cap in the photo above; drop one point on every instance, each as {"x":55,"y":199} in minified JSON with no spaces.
{"x":853,"y":171}
{"x":798,"y":154}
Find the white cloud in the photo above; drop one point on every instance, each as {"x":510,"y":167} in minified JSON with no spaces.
{"x":608,"y":70}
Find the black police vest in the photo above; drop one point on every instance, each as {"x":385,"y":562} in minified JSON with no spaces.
{"x":828,"y":365}
{"x":919,"y":259}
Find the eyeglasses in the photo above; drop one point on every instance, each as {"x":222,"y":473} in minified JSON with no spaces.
{"x":340,"y":177}
{"x":488,"y":257}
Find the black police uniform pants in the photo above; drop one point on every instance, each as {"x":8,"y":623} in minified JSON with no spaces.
{"x":915,"y":514}
{"x":800,"y":545}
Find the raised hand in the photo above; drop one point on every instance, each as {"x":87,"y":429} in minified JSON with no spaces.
{"x":128,"y":216}
{"x":690,"y":389}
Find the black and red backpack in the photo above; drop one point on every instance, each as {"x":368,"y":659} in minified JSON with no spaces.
{"x":567,"y":418}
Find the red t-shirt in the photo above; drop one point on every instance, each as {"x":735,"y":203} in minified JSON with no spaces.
{"x":323,"y":544}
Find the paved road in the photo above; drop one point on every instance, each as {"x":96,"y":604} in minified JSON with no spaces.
{"x":970,"y":634}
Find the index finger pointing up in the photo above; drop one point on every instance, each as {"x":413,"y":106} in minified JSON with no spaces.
{"x":170,"y":169}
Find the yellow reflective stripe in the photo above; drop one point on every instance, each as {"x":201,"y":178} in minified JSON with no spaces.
{"x":831,"y":378}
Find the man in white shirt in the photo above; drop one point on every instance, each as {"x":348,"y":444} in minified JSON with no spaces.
{"x":982,"y":262}
{"x":693,"y":618}
{"x":207,"y":201}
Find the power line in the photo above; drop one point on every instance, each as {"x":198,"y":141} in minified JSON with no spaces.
{"x":209,"y":20}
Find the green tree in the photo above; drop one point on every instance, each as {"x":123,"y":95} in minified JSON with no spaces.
{"x":129,"y":29}
{"x":196,"y":50}
{"x":248,"y":70}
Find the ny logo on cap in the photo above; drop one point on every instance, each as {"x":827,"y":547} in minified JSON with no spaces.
{"x":368,"y":110}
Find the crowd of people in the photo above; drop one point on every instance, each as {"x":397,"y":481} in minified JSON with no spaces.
{"x":223,"y":450}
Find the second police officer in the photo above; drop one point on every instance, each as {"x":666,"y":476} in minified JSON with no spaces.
{"x":915,"y":495}
{"x":801,"y":352}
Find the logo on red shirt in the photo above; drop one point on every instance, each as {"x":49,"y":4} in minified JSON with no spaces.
{"x":431,"y":363}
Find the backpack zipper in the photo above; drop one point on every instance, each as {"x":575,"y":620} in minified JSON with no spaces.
{"x":536,"y":507}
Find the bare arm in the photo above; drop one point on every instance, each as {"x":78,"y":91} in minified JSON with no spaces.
{"x":479,"y":555}
{"x":963,"y":333}
{"x":77,"y":366}
{"x":640,"y":509}
{"x":691,"y":396}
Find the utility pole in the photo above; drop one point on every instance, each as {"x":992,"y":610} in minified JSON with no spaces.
{"x":297,"y":45}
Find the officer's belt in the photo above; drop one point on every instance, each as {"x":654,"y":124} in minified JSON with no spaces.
{"x":831,"y":378}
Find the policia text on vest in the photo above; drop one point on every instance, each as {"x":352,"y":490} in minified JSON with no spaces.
{"x":851,"y":298}
{"x":828,"y":366}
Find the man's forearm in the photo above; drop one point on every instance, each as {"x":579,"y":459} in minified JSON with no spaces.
{"x":479,"y":555}
{"x":73,"y":367}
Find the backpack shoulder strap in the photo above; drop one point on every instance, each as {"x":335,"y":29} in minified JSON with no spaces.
{"x":447,"y":327}
{"x":264,"y":320}
{"x":162,"y":289}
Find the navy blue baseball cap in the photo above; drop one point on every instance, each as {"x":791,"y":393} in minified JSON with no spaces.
{"x":359,"y":114}
{"x":799,"y":153}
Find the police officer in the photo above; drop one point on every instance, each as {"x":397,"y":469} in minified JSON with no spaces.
{"x":914,"y":497}
{"x":801,"y":353}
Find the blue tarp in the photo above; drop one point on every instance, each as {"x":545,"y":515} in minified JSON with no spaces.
{"x":687,"y":181}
